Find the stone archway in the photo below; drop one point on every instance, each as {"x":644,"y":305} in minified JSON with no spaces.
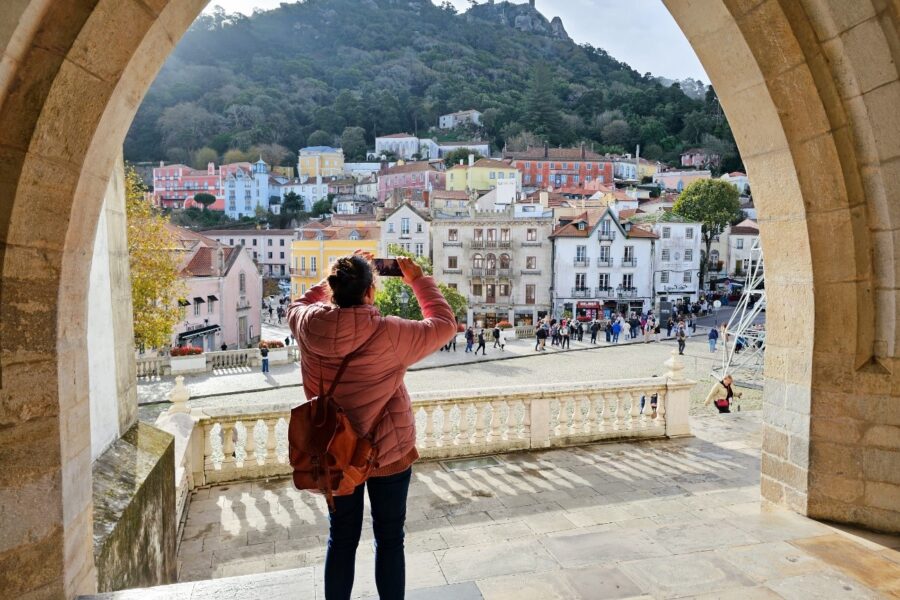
{"x":811,"y":89}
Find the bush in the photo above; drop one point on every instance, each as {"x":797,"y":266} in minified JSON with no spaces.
{"x":271,"y":344}
{"x":504,"y":324}
{"x":186,"y":351}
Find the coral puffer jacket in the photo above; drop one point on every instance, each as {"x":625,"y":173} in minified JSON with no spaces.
{"x":373,"y":380}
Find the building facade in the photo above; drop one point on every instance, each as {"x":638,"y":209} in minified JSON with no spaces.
{"x":174,"y":186}
{"x":402,"y":145}
{"x":501,"y":261}
{"x":410,"y":176}
{"x":482,"y":148}
{"x":741,"y":238}
{"x":676,"y":272}
{"x":699,"y":159}
{"x":561,"y":167}
{"x":320,"y":161}
{"x":318,"y":246}
{"x":678,"y":180}
{"x":269,"y":248}
{"x":481,"y":175}
{"x":408,"y":229}
{"x":738,"y":180}
{"x":601,"y":266}
{"x":309,"y":190}
{"x":247,"y":189}
{"x":459,"y":119}
{"x":223,"y":301}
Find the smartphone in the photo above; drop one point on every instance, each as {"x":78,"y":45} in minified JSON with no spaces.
{"x":387,"y":267}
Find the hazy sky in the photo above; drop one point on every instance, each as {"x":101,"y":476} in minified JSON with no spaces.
{"x":641,"y":33}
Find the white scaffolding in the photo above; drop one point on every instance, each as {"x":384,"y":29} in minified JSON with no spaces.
{"x":743,"y":352}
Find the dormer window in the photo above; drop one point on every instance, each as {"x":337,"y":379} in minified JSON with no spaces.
{"x":354,"y":235}
{"x":581,"y":226}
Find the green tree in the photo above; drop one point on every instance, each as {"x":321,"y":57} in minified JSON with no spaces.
{"x":155,"y":283}
{"x":320,"y":138}
{"x":460,"y":154}
{"x":205,"y":199}
{"x":293,"y":203}
{"x":322,"y":207}
{"x":715,"y":204}
{"x":204,"y":156}
{"x":616,"y":133}
{"x":387,"y":299}
{"x":353,"y":142}
{"x":542,"y":115}
{"x":235,"y":155}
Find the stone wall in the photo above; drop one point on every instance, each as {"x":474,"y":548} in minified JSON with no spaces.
{"x":134,"y":511}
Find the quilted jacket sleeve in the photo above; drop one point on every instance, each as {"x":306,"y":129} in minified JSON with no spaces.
{"x":414,"y":340}
{"x":315,"y":294}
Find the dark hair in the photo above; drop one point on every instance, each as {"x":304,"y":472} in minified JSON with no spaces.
{"x":350,"y":279}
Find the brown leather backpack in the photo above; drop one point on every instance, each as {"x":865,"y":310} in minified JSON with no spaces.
{"x":328,"y":456}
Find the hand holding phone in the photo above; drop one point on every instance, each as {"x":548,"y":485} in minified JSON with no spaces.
{"x":387,"y":267}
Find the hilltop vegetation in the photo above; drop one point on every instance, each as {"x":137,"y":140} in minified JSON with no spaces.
{"x":323,"y":70}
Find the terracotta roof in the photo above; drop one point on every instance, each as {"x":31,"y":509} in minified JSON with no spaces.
{"x":449,"y":195}
{"x":576,"y":191}
{"x":488,"y":163}
{"x":412,"y":167}
{"x":640,"y":232}
{"x":247,"y":232}
{"x":573,"y":154}
{"x":189,"y":239}
{"x":745,"y":227}
{"x":629,"y":212}
{"x":315,"y":225}
{"x":202,"y":264}
{"x":570,"y":230}
{"x":396,"y":135}
{"x":343,"y":232}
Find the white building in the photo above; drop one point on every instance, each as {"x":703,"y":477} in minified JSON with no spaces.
{"x":353,"y":205}
{"x":625,"y":169}
{"x":270,"y":248}
{"x":407,"y":228}
{"x":482,"y":148}
{"x":362,"y":170}
{"x":740,"y":240}
{"x":245,"y":191}
{"x":368,"y":187}
{"x":677,"y":259}
{"x":402,"y":145}
{"x":738,"y":180}
{"x":458,"y":119}
{"x":309,"y":190}
{"x":601,"y":265}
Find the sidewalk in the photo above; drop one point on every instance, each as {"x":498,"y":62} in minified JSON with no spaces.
{"x":246,"y":379}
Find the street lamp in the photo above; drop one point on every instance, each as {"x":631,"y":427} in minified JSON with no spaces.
{"x":404,"y":300}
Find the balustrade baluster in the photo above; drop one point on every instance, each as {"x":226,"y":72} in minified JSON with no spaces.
{"x":661,"y":407}
{"x":526,"y":420}
{"x":207,"y":443}
{"x":495,"y":434}
{"x":250,"y":446}
{"x":620,"y":411}
{"x":578,"y":415}
{"x":591,"y":424}
{"x":228,"y":441}
{"x":606,"y":400}
{"x":462,"y":436}
{"x":480,"y":417}
{"x":271,"y":443}
{"x":559,"y":414}
{"x":447,"y":426}
{"x":635,"y":412}
{"x":429,"y":427}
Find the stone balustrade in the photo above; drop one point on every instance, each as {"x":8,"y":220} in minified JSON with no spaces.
{"x":524,"y":331}
{"x":231,"y":359}
{"x":161,"y":366}
{"x":152,"y":366}
{"x":234,"y":444}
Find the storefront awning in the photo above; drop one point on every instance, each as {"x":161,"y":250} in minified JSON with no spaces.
{"x":187,"y":335}
{"x":588,"y":304}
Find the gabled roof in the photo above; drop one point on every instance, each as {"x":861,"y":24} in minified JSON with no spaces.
{"x":571,"y":230}
{"x":573,"y":154}
{"x":396,"y":135}
{"x":203,"y":263}
{"x":343,"y":232}
{"x":410,"y":207}
{"x":490,"y":163}
{"x":412,"y":167}
{"x":321,"y":149}
{"x":745,"y":227}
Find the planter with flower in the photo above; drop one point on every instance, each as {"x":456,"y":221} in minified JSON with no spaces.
{"x":187,"y":359}
{"x":504,"y":325}
{"x":278,"y":354}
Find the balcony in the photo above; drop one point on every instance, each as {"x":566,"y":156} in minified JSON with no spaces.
{"x":449,"y":271}
{"x":453,"y":244}
{"x":581,"y":293}
{"x":626,"y":292}
{"x":478,"y":272}
{"x":606,"y":236}
{"x":605,"y":262}
{"x":605,"y":292}
{"x":504,"y":272}
{"x":629,"y":262}
{"x":490,"y":272}
{"x":244,"y":304}
{"x":581,"y":262}
{"x":477,"y":244}
{"x":531,"y":271}
{"x":504,"y":244}
{"x":532,"y":244}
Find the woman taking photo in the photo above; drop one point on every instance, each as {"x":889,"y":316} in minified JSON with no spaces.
{"x":336,"y":318}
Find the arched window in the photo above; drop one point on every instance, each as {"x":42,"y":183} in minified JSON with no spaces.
{"x":504,"y":261}
{"x":478,"y":261}
{"x":491,"y":261}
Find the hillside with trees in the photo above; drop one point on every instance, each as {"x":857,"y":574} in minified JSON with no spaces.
{"x":340,"y":72}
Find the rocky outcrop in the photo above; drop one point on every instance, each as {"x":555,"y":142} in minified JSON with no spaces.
{"x":524,"y":17}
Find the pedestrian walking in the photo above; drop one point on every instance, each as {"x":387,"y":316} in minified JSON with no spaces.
{"x":616,"y":330}
{"x":481,"y":343}
{"x":681,"y":336}
{"x":332,"y":326}
{"x":713,"y":337}
{"x":564,"y":338}
{"x":595,"y":328}
{"x":496,"y":336}
{"x":287,"y":341}
{"x":609,"y":330}
{"x":626,"y":329}
{"x":452,"y":343}
{"x":280,"y":314}
{"x":264,"y":352}
{"x":542,"y":333}
{"x":470,"y":339}
{"x":648,"y":330}
{"x":580,"y":331}
{"x":721,"y":395}
{"x":502,"y":339}
{"x":670,"y":324}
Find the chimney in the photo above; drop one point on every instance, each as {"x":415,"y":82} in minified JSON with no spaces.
{"x":546,"y":150}
{"x":545,"y":199}
{"x":220,"y":260}
{"x":471,"y":160}
{"x":211,"y":168}
{"x":583,"y":151}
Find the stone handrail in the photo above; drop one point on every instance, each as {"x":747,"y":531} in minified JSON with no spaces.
{"x":251,"y":442}
{"x":229,"y":359}
{"x":152,"y":366}
{"x":161,"y":366}
{"x":524,"y":331}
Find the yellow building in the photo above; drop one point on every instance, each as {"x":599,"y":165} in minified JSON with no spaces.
{"x":319,"y":246}
{"x":482,"y":175}
{"x":321,"y":161}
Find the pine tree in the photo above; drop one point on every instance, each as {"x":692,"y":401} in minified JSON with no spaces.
{"x":542,"y":115}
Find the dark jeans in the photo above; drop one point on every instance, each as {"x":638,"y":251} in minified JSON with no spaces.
{"x":265,"y":365}
{"x":387,"y":496}
{"x":681,"y":345}
{"x":565,"y":342}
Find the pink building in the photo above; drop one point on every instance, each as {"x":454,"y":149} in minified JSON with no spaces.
{"x":422,"y":176}
{"x":699,"y":159}
{"x":223,"y":301}
{"x":174,"y":186}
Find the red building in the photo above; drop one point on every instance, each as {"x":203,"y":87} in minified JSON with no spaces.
{"x":422,"y":176}
{"x":561,"y":167}
{"x":174,"y":186}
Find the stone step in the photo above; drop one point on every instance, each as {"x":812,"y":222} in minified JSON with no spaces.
{"x":294,"y":584}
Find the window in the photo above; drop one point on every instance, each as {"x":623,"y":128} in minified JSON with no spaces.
{"x":504,"y":261}
{"x":604,"y":253}
{"x":531,"y":235}
{"x":418,"y":228}
{"x":665,"y":254}
{"x":453,"y":235}
{"x":476,"y":290}
{"x":280,"y":242}
{"x":196,"y":308}
{"x":527,"y":179}
{"x":504,"y":235}
{"x":739,"y":243}
{"x":664,"y":277}
{"x":302,"y":263}
{"x":504,"y":289}
{"x":302,"y":288}
{"x":269,"y":242}
{"x":531,"y":263}
{"x":580,"y":281}
{"x":420,"y":249}
{"x":210,"y":304}
{"x":689,"y":233}
{"x":281,"y":255}
{"x":492,"y":235}
{"x":452,"y":262}
{"x":540,"y":178}
{"x":628,"y":281}
{"x":493,"y":175}
{"x":270,"y":255}
{"x":605,"y":227}
{"x":581,"y":253}
{"x":390,"y":227}
{"x":529,"y":293}
{"x":479,"y":235}
{"x":312,"y":264}
{"x":404,"y":226}
{"x":604,"y":280}
{"x":478,"y":261}
{"x":242,"y":283}
{"x":231,"y":243}
{"x":629,"y":253}
{"x":667,"y":232}
{"x":254,"y":241}
{"x":687,"y":276}
{"x":452,"y":286}
{"x":688,"y":255}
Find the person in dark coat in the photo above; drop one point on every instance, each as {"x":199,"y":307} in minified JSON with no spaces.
{"x":481,"y":343}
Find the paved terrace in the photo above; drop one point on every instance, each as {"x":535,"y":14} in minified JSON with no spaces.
{"x":658,"y":519}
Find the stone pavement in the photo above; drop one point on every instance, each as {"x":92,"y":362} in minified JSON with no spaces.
{"x":658,"y":519}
